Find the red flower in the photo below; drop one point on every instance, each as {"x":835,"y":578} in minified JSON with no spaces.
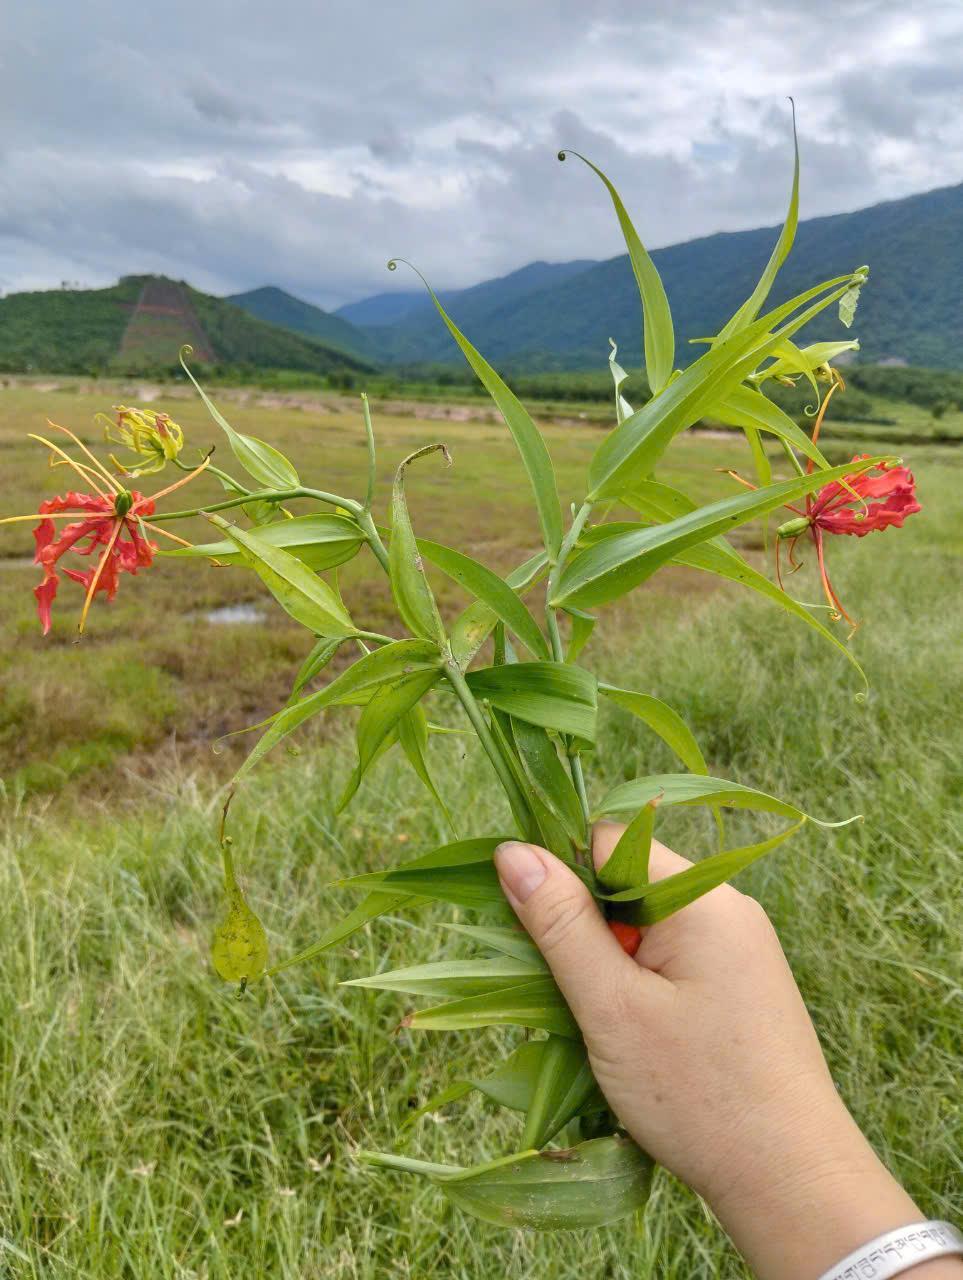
{"x":878,"y":498}
{"x":112,"y":518}
{"x":105,"y":522}
{"x":833,"y":509}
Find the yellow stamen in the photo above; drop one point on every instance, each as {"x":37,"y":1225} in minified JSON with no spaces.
{"x":171,"y":487}
{"x":92,"y":475}
{"x":155,"y":528}
{"x":83,"y":448}
{"x":97,"y":573}
{"x":54,"y":515}
{"x":71,"y":463}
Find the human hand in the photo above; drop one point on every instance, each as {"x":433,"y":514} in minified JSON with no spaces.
{"x":704,"y":1049}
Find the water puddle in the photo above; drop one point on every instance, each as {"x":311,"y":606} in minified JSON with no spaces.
{"x":232,"y":614}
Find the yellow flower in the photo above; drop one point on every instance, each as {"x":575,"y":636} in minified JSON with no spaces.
{"x":153,"y":436}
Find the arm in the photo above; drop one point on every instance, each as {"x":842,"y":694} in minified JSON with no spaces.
{"x":706,"y":1053}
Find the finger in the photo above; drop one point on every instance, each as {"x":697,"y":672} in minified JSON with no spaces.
{"x":563,"y":921}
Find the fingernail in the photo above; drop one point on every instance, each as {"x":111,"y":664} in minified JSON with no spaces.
{"x":519,"y":868}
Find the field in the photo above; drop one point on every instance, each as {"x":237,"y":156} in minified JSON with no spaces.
{"x":153,"y":1126}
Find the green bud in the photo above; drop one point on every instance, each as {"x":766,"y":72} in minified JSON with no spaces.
{"x":793,"y":528}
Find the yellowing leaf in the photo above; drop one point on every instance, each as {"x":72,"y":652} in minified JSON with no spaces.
{"x":239,"y":950}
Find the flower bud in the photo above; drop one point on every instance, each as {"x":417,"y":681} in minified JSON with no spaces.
{"x":151,"y":435}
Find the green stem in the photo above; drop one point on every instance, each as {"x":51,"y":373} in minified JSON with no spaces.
{"x":373,"y":537}
{"x":474,"y":713}
{"x":264,"y":495}
{"x":214,"y":471}
{"x":555,"y":639}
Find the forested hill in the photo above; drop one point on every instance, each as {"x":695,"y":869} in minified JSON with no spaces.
{"x":139,"y":324}
{"x":911,"y":311}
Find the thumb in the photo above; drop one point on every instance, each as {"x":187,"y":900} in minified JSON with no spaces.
{"x":563,"y":921}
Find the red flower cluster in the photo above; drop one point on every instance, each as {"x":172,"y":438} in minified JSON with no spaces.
{"x":104,"y":522}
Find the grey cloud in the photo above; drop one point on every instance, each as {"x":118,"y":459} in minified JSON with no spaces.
{"x":236,"y":144}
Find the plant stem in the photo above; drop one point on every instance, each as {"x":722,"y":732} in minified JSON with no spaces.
{"x":473,"y":711}
{"x":555,"y":638}
{"x":265,"y":495}
{"x":373,"y":537}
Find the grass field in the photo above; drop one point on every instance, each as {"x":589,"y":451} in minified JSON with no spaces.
{"x":153,"y":1126}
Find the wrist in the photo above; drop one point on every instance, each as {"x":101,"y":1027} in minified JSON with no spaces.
{"x":810,"y":1195}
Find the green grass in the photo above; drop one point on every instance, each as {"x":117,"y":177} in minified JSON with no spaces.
{"x":151,"y":1125}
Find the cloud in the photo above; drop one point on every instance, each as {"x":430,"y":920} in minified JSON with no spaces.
{"x":302,"y":145}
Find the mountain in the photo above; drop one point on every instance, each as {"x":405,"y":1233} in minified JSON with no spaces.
{"x":390,"y":309}
{"x":386,"y":308}
{"x":910,"y":311}
{"x":139,"y":324}
{"x":278,"y":307}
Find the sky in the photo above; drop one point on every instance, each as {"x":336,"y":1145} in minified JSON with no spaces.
{"x":299,"y":143}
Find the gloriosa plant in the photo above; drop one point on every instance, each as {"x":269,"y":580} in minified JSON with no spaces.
{"x":534,"y":705}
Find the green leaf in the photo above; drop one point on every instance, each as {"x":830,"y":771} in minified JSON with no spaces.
{"x":473,"y":627}
{"x":647,"y":904}
{"x":613,"y":567}
{"x":805,"y":359}
{"x":461,"y":872}
{"x":627,"y":867}
{"x":473,"y":885}
{"x":662,"y":720}
{"x":590,"y":1185}
{"x":623,"y":409}
{"x":319,"y":541}
{"x":726,"y":563}
{"x":751,"y":410}
{"x":374,"y":905}
{"x":413,"y":737}
{"x":691,"y":788}
{"x":510,"y":942}
{"x":583,"y":624}
{"x":537,"y":1004}
{"x":262,"y":461}
{"x":750,"y":308}
{"x":847,"y":304}
{"x":657,"y":318}
{"x":455,"y":977}
{"x":380,"y":719}
{"x":412,"y":593}
{"x":319,"y":657}
{"x":629,"y":453}
{"x":660,"y":502}
{"x":301,"y":593}
{"x":548,"y":776}
{"x":485,"y":585}
{"x":531,"y":446}
{"x":388,"y":663}
{"x":552,"y":694}
{"x":239,"y":949}
{"x":561,"y":1085}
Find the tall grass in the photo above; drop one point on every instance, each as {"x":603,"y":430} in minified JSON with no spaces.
{"x":151,"y":1125}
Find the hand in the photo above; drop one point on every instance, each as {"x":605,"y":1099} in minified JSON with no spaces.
{"x":704,"y":1049}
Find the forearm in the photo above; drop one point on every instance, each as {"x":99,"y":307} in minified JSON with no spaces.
{"x":826,"y":1195}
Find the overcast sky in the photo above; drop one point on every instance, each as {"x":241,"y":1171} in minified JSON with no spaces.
{"x":301,"y":143}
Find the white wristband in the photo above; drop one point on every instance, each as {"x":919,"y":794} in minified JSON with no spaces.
{"x":897,"y":1251}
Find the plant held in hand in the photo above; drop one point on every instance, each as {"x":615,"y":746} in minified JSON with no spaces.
{"x":532,"y":704}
